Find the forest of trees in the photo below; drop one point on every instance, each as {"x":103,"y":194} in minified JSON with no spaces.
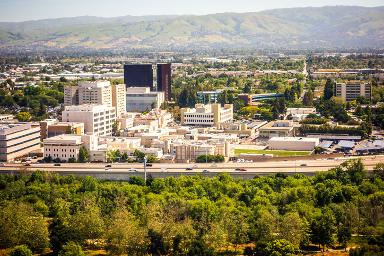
{"x":195,"y":215}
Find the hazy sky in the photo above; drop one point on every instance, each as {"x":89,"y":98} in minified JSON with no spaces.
{"x":20,"y":10}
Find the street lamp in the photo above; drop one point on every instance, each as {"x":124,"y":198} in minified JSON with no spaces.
{"x":145,"y":169}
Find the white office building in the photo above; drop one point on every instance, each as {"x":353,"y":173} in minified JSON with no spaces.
{"x":97,"y":119}
{"x":140,"y":99}
{"x":63,"y":147}
{"x":96,"y":93}
{"x":207,"y":115}
{"x":293,"y":143}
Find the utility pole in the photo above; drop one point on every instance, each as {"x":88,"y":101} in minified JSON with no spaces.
{"x":145,"y":169}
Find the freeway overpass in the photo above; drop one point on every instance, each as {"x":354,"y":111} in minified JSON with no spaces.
{"x":159,"y":170}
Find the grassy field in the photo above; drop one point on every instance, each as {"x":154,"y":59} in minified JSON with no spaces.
{"x":282,"y":153}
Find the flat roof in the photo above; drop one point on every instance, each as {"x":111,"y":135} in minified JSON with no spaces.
{"x":295,"y":139}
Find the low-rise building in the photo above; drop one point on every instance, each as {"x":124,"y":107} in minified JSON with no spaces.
{"x":97,"y":119}
{"x":140,"y":99}
{"x":280,"y":128}
{"x":207,"y":115}
{"x":52,"y":127}
{"x":17,"y":140}
{"x":63,"y":147}
{"x":293,"y":143}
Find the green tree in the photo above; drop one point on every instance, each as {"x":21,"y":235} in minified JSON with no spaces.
{"x":308,"y":98}
{"x":20,"y":224}
{"x":83,"y":155}
{"x":124,"y":234}
{"x":323,"y":228}
{"x":23,"y":116}
{"x":328,"y":89}
{"x":72,"y":249}
{"x":21,"y":250}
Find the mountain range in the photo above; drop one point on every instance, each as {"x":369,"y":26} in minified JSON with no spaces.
{"x":293,"y":28}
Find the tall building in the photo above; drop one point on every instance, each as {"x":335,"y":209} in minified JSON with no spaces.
{"x":207,"y":115}
{"x":156,"y":77}
{"x":96,"y":93}
{"x":140,"y":99}
{"x":352,"y":90}
{"x":164,"y":79}
{"x":119,"y":99}
{"x":138,"y":75}
{"x":97,"y":119}
{"x":17,"y":140}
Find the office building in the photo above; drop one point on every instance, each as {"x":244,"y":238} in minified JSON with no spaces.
{"x":207,"y":115}
{"x":71,"y":95}
{"x":208,"y":97}
{"x":17,"y":140}
{"x":138,"y":75}
{"x":164,"y":79}
{"x":352,"y":90}
{"x":97,"y":119}
{"x":119,"y":99}
{"x":156,"y":77}
{"x":140,"y":99}
{"x":293,"y":143}
{"x":63,"y":147}
{"x":96,"y":93}
{"x":52,"y":127}
{"x":280,"y":128}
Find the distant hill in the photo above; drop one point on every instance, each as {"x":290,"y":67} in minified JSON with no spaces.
{"x":301,"y":28}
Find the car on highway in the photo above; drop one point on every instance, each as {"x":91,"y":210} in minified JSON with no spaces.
{"x":303,"y":165}
{"x":108,"y":166}
{"x":57,"y":164}
{"x":132,"y":170}
{"x":205,"y":171}
{"x":27,"y":164}
{"x":188,"y":169}
{"x":240,"y":170}
{"x":149,"y":165}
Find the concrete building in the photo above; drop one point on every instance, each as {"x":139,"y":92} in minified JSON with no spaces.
{"x":208,"y":97}
{"x":119,"y":100}
{"x":97,"y":119}
{"x":52,"y":127}
{"x":140,"y":99}
{"x":71,"y":95}
{"x":293,"y":143}
{"x":63,"y":147}
{"x":352,"y":90}
{"x":207,"y":115}
{"x":280,"y":128}
{"x":187,"y":151}
{"x":96,"y":93}
{"x":17,"y":140}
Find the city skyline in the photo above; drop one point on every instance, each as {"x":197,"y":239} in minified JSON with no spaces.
{"x":23,"y":10}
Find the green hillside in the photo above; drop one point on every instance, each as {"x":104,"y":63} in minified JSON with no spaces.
{"x":338,"y":26}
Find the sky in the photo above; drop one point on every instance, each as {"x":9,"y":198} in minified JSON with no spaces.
{"x":21,"y":10}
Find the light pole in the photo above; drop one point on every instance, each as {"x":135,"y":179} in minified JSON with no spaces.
{"x":145,"y":170}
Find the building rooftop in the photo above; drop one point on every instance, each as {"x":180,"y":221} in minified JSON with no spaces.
{"x":294,"y":139}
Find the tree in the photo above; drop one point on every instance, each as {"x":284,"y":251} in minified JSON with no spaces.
{"x":20,"y":224}
{"x":72,"y":249}
{"x":23,"y":116}
{"x":328,"y":89}
{"x":378,"y":171}
{"x":265,"y":227}
{"x":21,"y":250}
{"x":322,"y":228}
{"x":124,"y":235}
{"x":83,"y":155}
{"x":278,"y":247}
{"x":292,"y":228}
{"x":308,"y":98}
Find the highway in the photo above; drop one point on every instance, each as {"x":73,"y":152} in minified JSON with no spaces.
{"x":119,"y":171}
